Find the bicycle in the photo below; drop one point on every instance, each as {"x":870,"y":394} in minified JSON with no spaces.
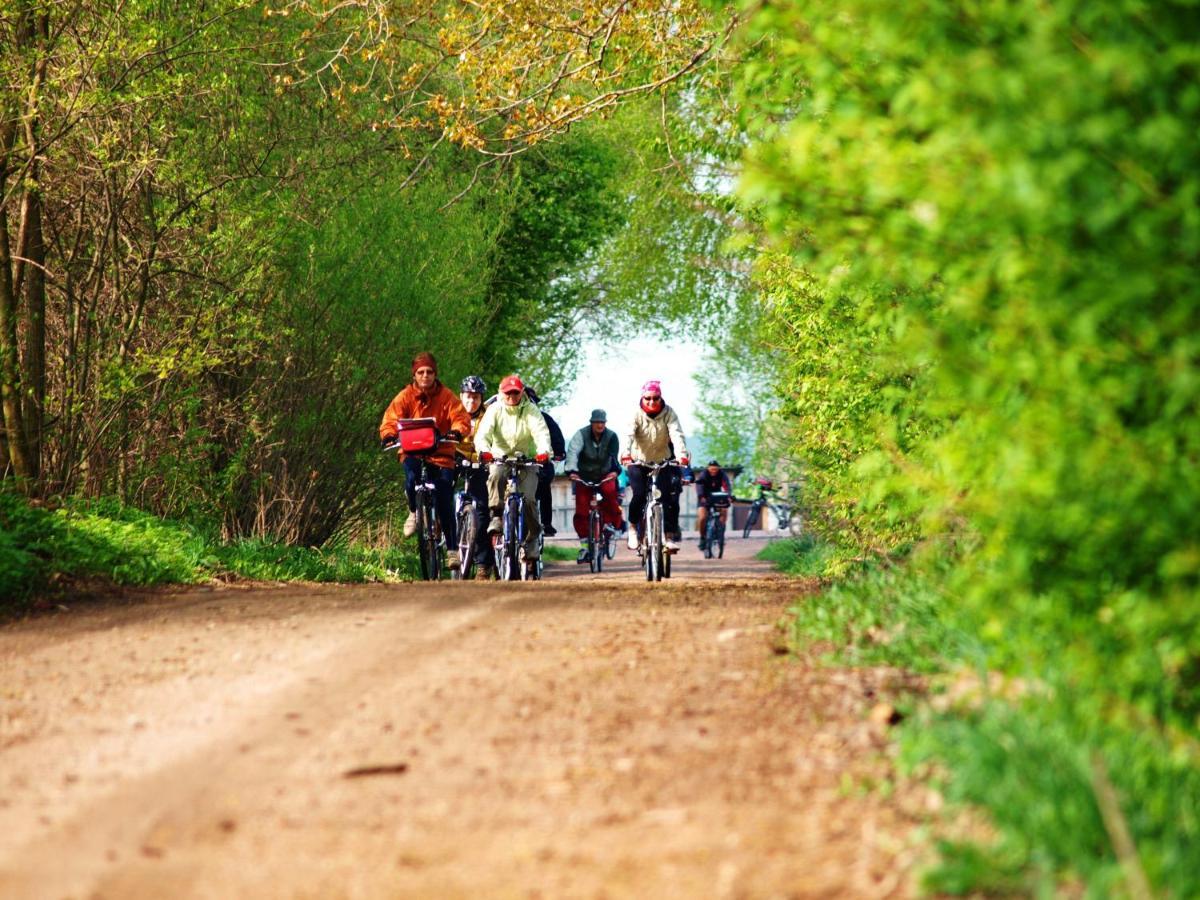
{"x":714,"y":527}
{"x":656,"y":559}
{"x":417,"y":438}
{"x":509,"y":545}
{"x":466,"y":516}
{"x":783,"y":511}
{"x":601,"y":538}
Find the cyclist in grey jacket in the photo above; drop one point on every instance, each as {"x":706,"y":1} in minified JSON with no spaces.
{"x":655,"y":436}
{"x":592,"y":454}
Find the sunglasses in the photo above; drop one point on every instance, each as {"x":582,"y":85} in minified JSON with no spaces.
{"x":653,"y":399}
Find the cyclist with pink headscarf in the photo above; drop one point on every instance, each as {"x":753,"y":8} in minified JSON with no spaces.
{"x":655,"y":436}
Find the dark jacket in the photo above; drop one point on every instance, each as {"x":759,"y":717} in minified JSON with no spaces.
{"x":706,"y":484}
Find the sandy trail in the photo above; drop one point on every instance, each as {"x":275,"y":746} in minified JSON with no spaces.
{"x":587,"y":736}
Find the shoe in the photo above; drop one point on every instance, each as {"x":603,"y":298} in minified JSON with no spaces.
{"x":631,"y":540}
{"x":703,"y":545}
{"x":670,"y":544}
{"x":410,"y":525}
{"x":495,"y":526}
{"x":583,"y":552}
{"x":549,"y":530}
{"x":532,"y":556}
{"x":623,"y":527}
{"x":483,"y":573}
{"x":452,"y":559}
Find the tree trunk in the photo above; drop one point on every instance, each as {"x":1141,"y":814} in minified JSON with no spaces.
{"x":10,"y":368}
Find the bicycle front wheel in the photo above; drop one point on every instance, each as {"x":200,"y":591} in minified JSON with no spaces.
{"x":466,"y":542}
{"x":710,"y":536}
{"x":751,"y":520}
{"x":423,"y":543}
{"x":655,"y":543}
{"x":720,"y":539}
{"x":595,"y":551}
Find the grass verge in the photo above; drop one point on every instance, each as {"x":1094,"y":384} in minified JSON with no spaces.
{"x":42,"y":547}
{"x":1081,"y":801}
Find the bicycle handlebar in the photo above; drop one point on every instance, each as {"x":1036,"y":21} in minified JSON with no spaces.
{"x":595,"y":485}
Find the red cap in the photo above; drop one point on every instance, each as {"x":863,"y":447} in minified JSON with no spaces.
{"x":652,"y":387}
{"x":511,"y":383}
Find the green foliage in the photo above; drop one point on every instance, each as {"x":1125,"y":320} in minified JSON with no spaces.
{"x":985,"y":243}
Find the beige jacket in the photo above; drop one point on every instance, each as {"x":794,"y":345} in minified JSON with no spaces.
{"x":652,"y":440}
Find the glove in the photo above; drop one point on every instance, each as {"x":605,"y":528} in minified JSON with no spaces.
{"x":559,"y":457}
{"x":574,"y":476}
{"x":542,"y":457}
{"x":385,"y":442}
{"x":685,"y":460}
{"x":453,"y":435}
{"x":626,"y":460}
{"x":486,"y":457}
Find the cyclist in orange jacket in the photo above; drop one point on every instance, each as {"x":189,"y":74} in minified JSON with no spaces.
{"x":427,"y":397}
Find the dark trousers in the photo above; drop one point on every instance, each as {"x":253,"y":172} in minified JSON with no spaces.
{"x":545,"y":506}
{"x":476,"y":486}
{"x":443,"y":494}
{"x":668,"y":482}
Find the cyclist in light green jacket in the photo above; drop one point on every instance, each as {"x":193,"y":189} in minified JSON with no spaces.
{"x":514,"y":425}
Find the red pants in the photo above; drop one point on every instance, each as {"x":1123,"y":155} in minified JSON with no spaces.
{"x":610,"y":509}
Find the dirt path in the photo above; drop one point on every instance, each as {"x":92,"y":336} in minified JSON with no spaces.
{"x":589,"y":736}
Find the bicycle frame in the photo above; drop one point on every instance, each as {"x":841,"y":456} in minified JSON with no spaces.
{"x":714,"y":526}
{"x":655,"y":559}
{"x":431,"y":542}
{"x":510,"y":543}
{"x":600,"y":536}
{"x":467,"y":519}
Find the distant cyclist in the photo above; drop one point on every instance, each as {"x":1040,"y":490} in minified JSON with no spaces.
{"x":591,"y":455}
{"x":713,"y":478}
{"x":655,"y":436}
{"x":427,"y":397}
{"x":471,"y":393}
{"x":510,"y":426}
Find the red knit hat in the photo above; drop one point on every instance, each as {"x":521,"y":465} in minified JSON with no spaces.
{"x":424,"y":359}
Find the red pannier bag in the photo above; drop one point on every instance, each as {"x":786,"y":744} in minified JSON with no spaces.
{"x":417,"y":435}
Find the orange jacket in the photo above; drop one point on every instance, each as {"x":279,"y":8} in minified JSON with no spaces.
{"x":441,"y":404}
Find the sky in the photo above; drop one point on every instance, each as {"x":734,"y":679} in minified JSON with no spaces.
{"x":611,"y":378}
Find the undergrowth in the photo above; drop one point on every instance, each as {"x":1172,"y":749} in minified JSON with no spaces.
{"x":40,"y":546}
{"x":1040,"y":757}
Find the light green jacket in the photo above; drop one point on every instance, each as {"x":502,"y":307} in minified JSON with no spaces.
{"x":507,"y":430}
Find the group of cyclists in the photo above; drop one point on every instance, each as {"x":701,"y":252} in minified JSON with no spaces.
{"x":480,"y":431}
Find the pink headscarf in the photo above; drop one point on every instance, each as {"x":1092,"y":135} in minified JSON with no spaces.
{"x":652,"y":387}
